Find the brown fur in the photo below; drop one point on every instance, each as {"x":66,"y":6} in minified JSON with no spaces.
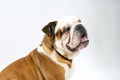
{"x":47,"y":44}
{"x":35,"y":66}
{"x":59,"y":34}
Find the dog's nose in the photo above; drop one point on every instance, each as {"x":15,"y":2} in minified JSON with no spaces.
{"x":81,"y":29}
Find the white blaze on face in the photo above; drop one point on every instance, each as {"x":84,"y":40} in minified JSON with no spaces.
{"x":64,"y":22}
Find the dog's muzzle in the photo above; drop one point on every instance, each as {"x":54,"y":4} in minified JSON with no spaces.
{"x":79,"y":39}
{"x":83,"y":35}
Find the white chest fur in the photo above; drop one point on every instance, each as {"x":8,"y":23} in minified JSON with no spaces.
{"x":68,"y":71}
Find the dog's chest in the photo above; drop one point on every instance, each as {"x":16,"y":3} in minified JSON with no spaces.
{"x":58,"y":68}
{"x":53,"y":69}
{"x":67,"y":70}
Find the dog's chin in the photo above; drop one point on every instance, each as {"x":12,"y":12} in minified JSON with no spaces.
{"x":82,"y":44}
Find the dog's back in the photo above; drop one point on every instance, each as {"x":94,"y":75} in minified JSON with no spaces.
{"x":35,"y":66}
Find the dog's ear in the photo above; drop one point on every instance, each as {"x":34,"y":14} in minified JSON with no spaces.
{"x":49,"y":28}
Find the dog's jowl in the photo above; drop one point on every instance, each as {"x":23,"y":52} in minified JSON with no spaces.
{"x":52,"y":59}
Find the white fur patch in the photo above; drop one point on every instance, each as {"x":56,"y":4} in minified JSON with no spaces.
{"x":65,"y":21}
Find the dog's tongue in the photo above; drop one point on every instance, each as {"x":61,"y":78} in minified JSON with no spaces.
{"x":84,"y":39}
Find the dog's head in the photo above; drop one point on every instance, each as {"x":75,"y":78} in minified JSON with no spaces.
{"x":69,"y":36}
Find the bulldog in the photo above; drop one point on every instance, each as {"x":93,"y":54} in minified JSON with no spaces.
{"x":52,"y":59}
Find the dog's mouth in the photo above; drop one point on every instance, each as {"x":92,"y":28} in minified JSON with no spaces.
{"x":82,"y":44}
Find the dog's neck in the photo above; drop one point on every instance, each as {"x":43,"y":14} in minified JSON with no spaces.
{"x":47,"y":47}
{"x":62,"y":58}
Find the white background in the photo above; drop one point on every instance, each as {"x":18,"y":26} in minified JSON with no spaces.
{"x":21,"y":22}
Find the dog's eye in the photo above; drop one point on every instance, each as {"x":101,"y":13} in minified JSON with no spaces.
{"x":67,"y":29}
